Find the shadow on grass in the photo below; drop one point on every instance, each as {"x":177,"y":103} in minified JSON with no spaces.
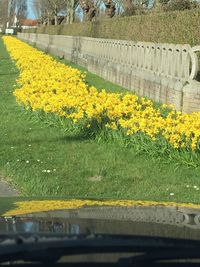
{"x":7,"y":204}
{"x":65,"y":139}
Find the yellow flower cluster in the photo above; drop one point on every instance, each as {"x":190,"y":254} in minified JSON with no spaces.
{"x":45,"y":84}
{"x":28,"y":207}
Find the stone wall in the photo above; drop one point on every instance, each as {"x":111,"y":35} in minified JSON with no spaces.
{"x":164,"y":73}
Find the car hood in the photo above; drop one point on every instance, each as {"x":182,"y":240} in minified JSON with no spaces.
{"x":138,"y":218}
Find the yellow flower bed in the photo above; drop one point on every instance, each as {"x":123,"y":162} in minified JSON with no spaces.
{"x":45,"y":84}
{"x":29,"y":207}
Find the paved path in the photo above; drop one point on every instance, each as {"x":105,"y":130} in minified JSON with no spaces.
{"x":6,"y":190}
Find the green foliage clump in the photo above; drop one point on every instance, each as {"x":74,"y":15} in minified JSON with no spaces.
{"x":178,"y":5}
{"x":164,"y":2}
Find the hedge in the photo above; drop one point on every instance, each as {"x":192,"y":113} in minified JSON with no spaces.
{"x":168,"y":27}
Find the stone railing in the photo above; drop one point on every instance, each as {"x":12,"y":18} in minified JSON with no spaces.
{"x":163,"y":72}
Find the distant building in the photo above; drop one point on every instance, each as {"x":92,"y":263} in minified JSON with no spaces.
{"x":29,"y":24}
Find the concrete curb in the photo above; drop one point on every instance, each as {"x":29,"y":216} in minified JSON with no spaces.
{"x":6,"y":190}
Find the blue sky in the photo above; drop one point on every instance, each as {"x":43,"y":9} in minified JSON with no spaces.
{"x":30,"y":9}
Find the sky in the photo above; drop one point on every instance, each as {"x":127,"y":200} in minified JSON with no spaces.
{"x":30,"y":9}
{"x":31,"y":14}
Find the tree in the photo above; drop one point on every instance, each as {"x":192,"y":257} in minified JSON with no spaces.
{"x":171,"y":5}
{"x":71,"y":6}
{"x":89,"y":9}
{"x":182,"y":4}
{"x":11,"y":10}
{"x":21,"y":11}
{"x":55,"y":8}
{"x":43,"y":11}
{"x":38,"y":8}
{"x":3,"y":14}
{"x":50,"y":11}
{"x":129,"y":7}
{"x":110,"y":8}
{"x":132,"y":7}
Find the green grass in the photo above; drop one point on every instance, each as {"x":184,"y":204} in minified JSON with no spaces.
{"x":28,"y":147}
{"x":7,"y":204}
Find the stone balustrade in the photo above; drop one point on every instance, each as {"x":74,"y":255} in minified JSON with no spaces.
{"x":163,"y":72}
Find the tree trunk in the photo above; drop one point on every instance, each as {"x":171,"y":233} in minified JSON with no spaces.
{"x":56,"y":16}
{"x":70,"y":11}
{"x":56,"y":20}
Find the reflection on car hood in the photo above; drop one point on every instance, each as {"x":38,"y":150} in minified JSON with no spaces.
{"x":154,"y":219}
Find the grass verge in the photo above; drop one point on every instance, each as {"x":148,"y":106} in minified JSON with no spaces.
{"x":45,"y":161}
